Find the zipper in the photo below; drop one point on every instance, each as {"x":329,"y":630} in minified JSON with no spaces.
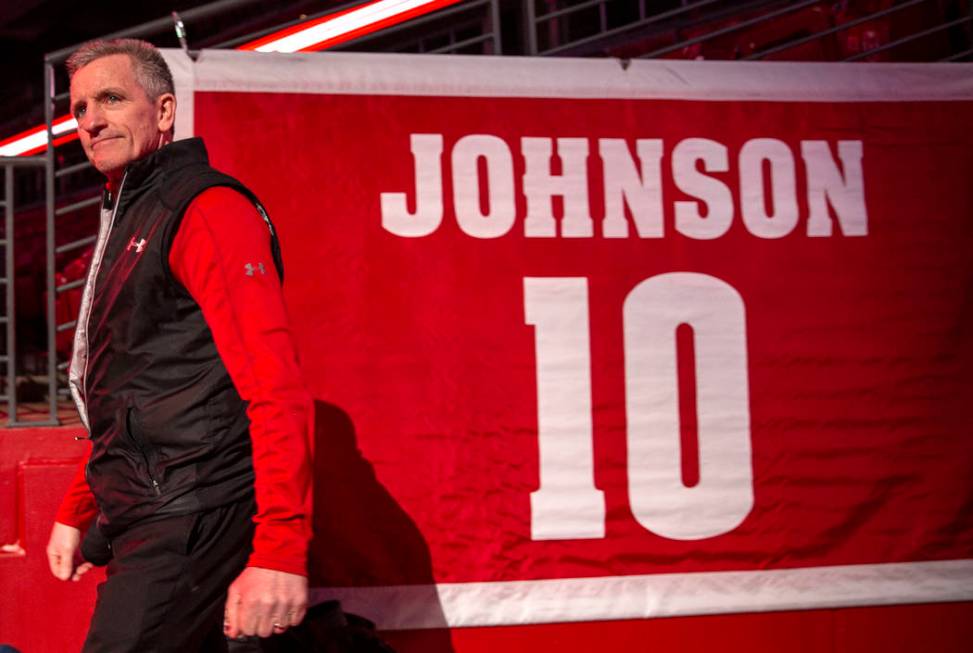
{"x":143,"y":449}
{"x":98,"y":256}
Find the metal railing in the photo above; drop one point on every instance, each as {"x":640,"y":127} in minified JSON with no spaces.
{"x":644,"y":19}
{"x":8,"y":358}
{"x":451,"y":30}
{"x":677,"y":27}
{"x":736,"y":27}
{"x":783,"y":47}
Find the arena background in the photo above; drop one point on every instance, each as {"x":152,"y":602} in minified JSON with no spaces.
{"x":604,"y":352}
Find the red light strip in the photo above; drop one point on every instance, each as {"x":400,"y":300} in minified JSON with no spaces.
{"x":309,"y":36}
{"x":34,"y":140}
{"x":342,"y":26}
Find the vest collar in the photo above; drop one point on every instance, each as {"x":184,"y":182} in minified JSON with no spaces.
{"x":146,"y":172}
{"x":173,"y":156}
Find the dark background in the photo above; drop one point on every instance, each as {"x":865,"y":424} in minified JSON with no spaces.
{"x":931,"y":30}
{"x":31,"y":28}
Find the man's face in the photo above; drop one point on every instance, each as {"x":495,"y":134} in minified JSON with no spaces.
{"x":117,"y":122}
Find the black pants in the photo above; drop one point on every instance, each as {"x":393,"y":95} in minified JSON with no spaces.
{"x":167,"y":583}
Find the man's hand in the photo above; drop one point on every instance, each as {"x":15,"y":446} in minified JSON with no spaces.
{"x":263,"y":602}
{"x":63,"y":555}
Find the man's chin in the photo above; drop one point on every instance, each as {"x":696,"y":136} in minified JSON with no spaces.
{"x":108,"y":168}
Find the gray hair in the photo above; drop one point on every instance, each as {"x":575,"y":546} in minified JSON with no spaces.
{"x":151,"y":70}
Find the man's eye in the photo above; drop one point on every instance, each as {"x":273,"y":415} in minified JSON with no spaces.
{"x":79,"y":112}
{"x":112,"y":99}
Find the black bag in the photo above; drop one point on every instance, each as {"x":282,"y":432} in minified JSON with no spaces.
{"x":95,"y":547}
{"x":328,"y":629}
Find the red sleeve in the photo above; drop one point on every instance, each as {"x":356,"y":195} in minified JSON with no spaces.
{"x":78,"y":507}
{"x":221,"y":255}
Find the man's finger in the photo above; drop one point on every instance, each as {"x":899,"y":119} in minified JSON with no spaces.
{"x":231,"y":627}
{"x":296,"y":615}
{"x":81,"y":570}
{"x":54,"y":562}
{"x":61,"y":547}
{"x":60,"y":565}
{"x":246,"y":619}
{"x":268,"y":614}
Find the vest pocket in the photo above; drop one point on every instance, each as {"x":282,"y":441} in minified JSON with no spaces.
{"x":224,"y":413}
{"x":143,"y":447}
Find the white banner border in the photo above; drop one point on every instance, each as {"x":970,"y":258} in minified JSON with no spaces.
{"x":539,"y":77}
{"x":457,"y":605}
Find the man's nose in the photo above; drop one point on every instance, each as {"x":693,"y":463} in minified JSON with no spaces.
{"x":92,"y":120}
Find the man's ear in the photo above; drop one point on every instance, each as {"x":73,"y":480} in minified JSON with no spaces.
{"x":166,"y":107}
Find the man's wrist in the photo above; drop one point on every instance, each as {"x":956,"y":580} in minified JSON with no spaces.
{"x":298,"y":567}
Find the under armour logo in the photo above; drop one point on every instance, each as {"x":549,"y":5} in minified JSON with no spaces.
{"x":139,"y":245}
{"x":251,"y":268}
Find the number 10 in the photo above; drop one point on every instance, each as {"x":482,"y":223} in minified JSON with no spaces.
{"x":568,"y":505}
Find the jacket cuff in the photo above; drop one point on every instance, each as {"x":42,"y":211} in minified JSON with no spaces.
{"x":296,"y":567}
{"x":281,"y":547}
{"x":77,"y":515}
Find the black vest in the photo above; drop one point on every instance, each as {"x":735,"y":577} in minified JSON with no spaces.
{"x":169,"y":430}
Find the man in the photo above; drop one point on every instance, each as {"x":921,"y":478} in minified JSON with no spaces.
{"x":185,"y":375}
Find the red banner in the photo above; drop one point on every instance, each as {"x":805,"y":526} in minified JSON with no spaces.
{"x":602,"y":342}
